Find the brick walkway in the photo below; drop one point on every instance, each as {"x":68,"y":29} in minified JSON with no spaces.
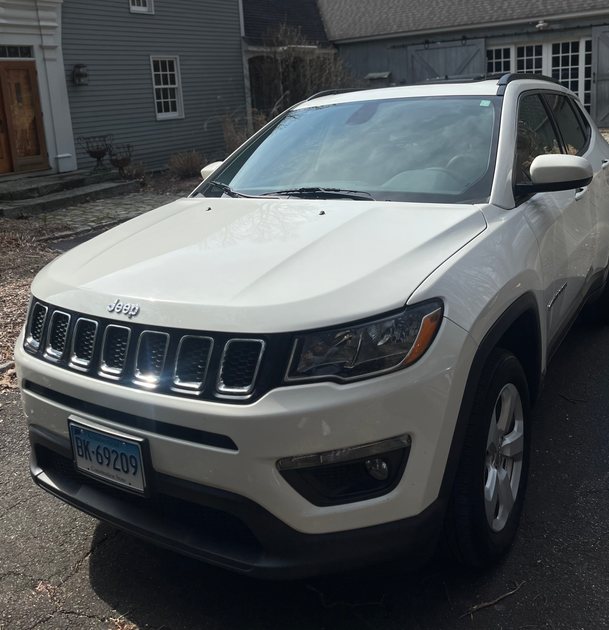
{"x":98,"y":213}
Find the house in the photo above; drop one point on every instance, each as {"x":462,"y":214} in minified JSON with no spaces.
{"x":401,"y":42}
{"x":156,"y":74}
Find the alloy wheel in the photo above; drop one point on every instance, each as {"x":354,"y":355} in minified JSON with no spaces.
{"x":504,"y":457}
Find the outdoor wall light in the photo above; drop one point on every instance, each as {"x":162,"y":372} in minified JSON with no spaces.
{"x":80,"y":74}
{"x":541,"y":25}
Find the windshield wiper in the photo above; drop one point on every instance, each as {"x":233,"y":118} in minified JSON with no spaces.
{"x":319,"y":193}
{"x":226,"y":189}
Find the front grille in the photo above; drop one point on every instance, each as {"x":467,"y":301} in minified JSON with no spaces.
{"x":191,"y":368}
{"x":37,"y":321}
{"x":151,"y":351}
{"x":240,"y":363}
{"x":210,"y":522}
{"x":168,"y":360}
{"x":114,"y":350}
{"x":58,"y":334}
{"x":83,"y":342}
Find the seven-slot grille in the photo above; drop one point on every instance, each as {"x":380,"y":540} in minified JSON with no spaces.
{"x":36,"y":326}
{"x":172,"y":361}
{"x":114,"y":350}
{"x":57,"y":335}
{"x":191,"y":367}
{"x":83,"y":343}
{"x":150,"y":356}
{"x":240,"y":362}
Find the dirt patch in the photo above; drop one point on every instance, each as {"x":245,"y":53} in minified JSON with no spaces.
{"x":22,"y":255}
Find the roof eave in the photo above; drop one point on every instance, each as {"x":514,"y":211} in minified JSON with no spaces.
{"x":452,"y":29}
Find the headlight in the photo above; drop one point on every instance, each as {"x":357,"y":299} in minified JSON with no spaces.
{"x":353,"y":352}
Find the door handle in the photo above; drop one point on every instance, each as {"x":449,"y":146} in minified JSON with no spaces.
{"x":580,"y":192}
{"x":604,"y":164}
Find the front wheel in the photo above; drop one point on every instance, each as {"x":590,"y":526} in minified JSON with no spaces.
{"x":488,"y":492}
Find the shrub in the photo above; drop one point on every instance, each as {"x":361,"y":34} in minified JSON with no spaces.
{"x":186,"y":164}
{"x":136,"y":172}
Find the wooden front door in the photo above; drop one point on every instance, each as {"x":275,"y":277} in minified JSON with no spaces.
{"x":6,"y":163}
{"x":21,"y":129}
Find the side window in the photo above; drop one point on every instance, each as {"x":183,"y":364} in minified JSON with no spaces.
{"x":536,"y":135}
{"x":581,"y":116}
{"x":569,"y":124}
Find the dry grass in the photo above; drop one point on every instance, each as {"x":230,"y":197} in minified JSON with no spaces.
{"x":22,"y":255}
{"x":187,"y":164}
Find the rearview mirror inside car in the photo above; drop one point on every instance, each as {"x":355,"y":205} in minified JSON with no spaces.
{"x":206,"y":171}
{"x":555,"y":172}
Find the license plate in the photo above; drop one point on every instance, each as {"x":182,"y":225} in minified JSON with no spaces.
{"x":108,"y":455}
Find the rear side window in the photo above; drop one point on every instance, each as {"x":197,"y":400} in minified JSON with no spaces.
{"x":569,"y":123}
{"x":536,"y":135}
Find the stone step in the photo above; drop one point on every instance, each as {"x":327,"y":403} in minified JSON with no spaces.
{"x":65,"y":199}
{"x":41,"y":185}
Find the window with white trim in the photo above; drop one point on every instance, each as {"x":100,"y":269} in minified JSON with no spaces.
{"x":141,"y":6}
{"x":569,"y":61}
{"x":529,"y":59}
{"x":167,"y":87}
{"x":499,"y":59}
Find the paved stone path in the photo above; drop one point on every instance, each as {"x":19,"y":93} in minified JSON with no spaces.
{"x":98,"y":213}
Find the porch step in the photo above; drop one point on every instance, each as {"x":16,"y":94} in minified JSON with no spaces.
{"x":66,"y":198}
{"x":41,"y":185}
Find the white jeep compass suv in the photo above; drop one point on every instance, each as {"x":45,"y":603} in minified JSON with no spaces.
{"x":327,"y":355}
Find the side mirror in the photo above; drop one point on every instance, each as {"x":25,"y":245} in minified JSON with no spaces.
{"x":553,"y":172}
{"x":206,"y":171}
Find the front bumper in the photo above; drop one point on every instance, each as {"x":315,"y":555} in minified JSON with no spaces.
{"x":422,"y":401}
{"x":225,"y":529}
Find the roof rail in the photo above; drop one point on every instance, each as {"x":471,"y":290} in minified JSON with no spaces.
{"x":339,"y":91}
{"x":457,"y":78}
{"x":508,"y":78}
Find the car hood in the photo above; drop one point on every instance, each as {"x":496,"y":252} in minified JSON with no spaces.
{"x":258,"y":265}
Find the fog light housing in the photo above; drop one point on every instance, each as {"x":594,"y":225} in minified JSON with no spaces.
{"x":348,"y":475}
{"x":377,"y":468}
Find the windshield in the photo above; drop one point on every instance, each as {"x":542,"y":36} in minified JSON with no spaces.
{"x":433,"y":149}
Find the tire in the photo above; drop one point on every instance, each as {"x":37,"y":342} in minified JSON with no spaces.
{"x":481,"y":520}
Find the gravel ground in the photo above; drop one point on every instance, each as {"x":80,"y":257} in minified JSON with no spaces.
{"x":22,"y":255}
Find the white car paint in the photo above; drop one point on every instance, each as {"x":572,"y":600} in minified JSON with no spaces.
{"x":282,"y":266}
{"x":245,"y":255}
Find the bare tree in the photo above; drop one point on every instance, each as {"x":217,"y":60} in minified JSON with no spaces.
{"x":292,"y":68}
{"x":288,"y":70}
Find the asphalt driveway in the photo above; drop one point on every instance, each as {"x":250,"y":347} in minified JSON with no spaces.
{"x":60,"y":569}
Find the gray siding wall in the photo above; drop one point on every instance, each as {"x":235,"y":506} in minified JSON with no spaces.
{"x":391,"y":55}
{"x":116,"y":45}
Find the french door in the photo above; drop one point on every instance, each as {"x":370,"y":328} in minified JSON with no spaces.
{"x":568,"y":61}
{"x":22,"y":144}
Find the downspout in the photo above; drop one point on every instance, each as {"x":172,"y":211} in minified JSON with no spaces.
{"x":246,"y":73}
